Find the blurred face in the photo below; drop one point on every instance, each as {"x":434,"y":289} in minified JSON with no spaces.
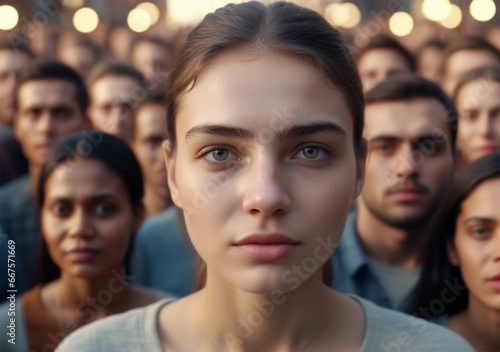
{"x":409,"y":163}
{"x":478,"y":107}
{"x":153,"y":61}
{"x":429,"y":65}
{"x":111,"y":101}
{"x":476,"y":246}
{"x":87,"y":220}
{"x":378,"y":64}
{"x":47,"y":111}
{"x":79,"y":57}
{"x":11,"y":62}
{"x":264,"y":169}
{"x":150,"y":132}
{"x":463,"y":61}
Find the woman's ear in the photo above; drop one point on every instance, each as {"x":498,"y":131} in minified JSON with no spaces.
{"x":360,"y":169}
{"x":170,"y":158}
{"x":452,"y":253}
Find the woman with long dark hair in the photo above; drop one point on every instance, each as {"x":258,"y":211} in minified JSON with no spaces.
{"x":478,"y":106}
{"x":90,"y":199}
{"x":460,"y":284}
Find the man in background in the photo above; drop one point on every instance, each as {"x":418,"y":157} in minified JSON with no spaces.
{"x":410,"y":126}
{"x":381,"y":58}
{"x":115,"y":88}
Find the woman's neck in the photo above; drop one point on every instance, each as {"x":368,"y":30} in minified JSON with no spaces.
{"x":313,"y":317}
{"x":79,"y":301}
{"x":479,"y":325}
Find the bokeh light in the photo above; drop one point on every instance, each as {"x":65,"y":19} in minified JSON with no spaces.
{"x":345,"y":15}
{"x":85,"y":20}
{"x":139,"y":20}
{"x":454,"y":18}
{"x":152,"y":9}
{"x":8,"y":17}
{"x":401,"y":23}
{"x":436,"y":10}
{"x":74,"y":4}
{"x":482,"y":10}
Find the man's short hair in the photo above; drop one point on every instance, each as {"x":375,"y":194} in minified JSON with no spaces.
{"x":114,"y":68}
{"x":467,"y":43}
{"x":385,"y":42}
{"x":154,"y":96}
{"x":51,"y":69}
{"x":6,"y":44}
{"x":410,"y":86}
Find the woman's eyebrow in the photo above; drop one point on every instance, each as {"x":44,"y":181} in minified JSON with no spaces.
{"x":289,"y":132}
{"x":311,"y":128}
{"x":219,"y":130}
{"x":480,"y":219}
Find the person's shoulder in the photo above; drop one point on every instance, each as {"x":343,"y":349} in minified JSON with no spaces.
{"x":165,"y":221}
{"x":146,"y":295}
{"x":389,"y":330}
{"x":12,"y":319}
{"x":442,"y":320}
{"x":15,"y":187}
{"x":134,"y":330}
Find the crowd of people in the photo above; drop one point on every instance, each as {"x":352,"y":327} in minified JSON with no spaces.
{"x":254,"y":188}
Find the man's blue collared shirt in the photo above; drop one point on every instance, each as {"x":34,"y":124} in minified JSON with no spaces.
{"x":352,"y":271}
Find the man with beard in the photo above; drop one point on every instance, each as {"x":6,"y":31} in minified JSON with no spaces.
{"x":410,"y":126}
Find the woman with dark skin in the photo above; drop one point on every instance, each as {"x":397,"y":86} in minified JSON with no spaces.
{"x":90,"y":208}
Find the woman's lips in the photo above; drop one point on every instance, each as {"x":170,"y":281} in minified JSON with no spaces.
{"x":266,"y":247}
{"x":83,"y":254}
{"x":45,"y":147}
{"x":486,"y":149}
{"x":494,"y":282}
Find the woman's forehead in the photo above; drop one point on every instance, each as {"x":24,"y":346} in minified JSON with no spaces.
{"x":262,"y":91}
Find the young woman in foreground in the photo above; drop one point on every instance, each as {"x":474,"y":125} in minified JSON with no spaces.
{"x":463,"y":271}
{"x":90,"y":198}
{"x":264,"y":156}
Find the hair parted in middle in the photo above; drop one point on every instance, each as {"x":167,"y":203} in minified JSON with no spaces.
{"x":257,"y":28}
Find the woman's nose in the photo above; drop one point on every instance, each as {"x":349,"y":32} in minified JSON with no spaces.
{"x":80,"y":225}
{"x":265,"y":190}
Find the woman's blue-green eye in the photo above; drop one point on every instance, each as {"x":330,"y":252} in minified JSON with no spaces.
{"x":311,"y":152}
{"x":220,"y":154}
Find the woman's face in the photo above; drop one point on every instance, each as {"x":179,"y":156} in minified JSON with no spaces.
{"x":476,"y":246}
{"x":87,"y":220}
{"x":479,"y":125}
{"x":264,"y":169}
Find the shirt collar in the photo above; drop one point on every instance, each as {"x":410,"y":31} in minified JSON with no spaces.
{"x":355,"y":257}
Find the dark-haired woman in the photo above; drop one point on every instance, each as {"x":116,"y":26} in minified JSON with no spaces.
{"x":461,"y":280}
{"x":478,"y":104}
{"x":90,"y":207}
{"x":264,"y":157}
